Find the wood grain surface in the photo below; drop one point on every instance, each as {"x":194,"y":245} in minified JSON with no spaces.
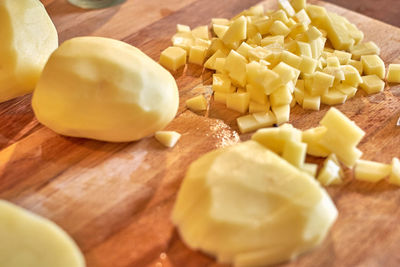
{"x":115,"y":199}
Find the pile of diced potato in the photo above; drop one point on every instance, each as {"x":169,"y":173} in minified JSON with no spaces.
{"x":266,"y":62}
{"x":336,"y":139}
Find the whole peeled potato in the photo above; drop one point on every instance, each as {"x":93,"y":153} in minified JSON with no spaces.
{"x":28,"y":37}
{"x":104,"y":89}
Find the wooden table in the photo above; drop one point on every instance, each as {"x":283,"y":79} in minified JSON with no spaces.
{"x":115,"y":199}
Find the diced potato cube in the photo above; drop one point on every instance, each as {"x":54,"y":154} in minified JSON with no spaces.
{"x":310,"y":168}
{"x":333,"y":97}
{"x":295,"y":153}
{"x":357,"y":64}
{"x":337,"y":31}
{"x":373,"y":64}
{"x":332,"y":62}
{"x":320,"y":83}
{"x":372,"y":84}
{"x":298,"y":4}
{"x":279,"y":28}
{"x":281,"y":96}
{"x":217,"y":44}
{"x":304,"y":49}
{"x":330,"y":172}
{"x":167,"y":138}
{"x":355,"y":33}
{"x":197,"y":54}
{"x":393,"y":75}
{"x":257,"y":94}
{"x":296,"y":30}
{"x":219,"y":65}
{"x":236,"y":31}
{"x":183,"y":40}
{"x":317,"y":46}
{"x":313,"y":33}
{"x":197,"y":103}
{"x":371,"y":171}
{"x":173,"y":58}
{"x":247,"y":123}
{"x":182,"y":28}
{"x":299,"y":92}
{"x":286,"y":73}
{"x":346,"y":89}
{"x":343,"y":57}
{"x":238,"y":101}
{"x":220,"y":97}
{"x":210,"y":63}
{"x":221,"y":83}
{"x":311,"y":102}
{"x":235,"y":64}
{"x":279,"y":15}
{"x":302,"y":17}
{"x":202,"y":43}
{"x":341,"y":137}
{"x":287,"y":7}
{"x":255,"y":107}
{"x":312,"y":137}
{"x":220,"y":30}
{"x":220,"y":21}
{"x":282,"y":113}
{"x":263,"y":25}
{"x":258,"y":53}
{"x":335,"y":72}
{"x":316,"y":13}
{"x":394,"y":177}
{"x":244,"y":49}
{"x":351,"y":75}
{"x":368,"y":48}
{"x":201,"y":32}
{"x":279,"y":39}
{"x":275,"y":138}
{"x":265,"y":119}
{"x":291,"y":59}
{"x":260,"y":76}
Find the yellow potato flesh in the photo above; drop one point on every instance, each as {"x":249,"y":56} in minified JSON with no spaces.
{"x":104,"y":89}
{"x":28,"y":37}
{"x":28,"y":240}
{"x":247,"y":206}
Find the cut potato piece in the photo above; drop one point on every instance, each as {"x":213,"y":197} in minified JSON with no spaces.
{"x":117,"y":95}
{"x":368,"y":48}
{"x":295,"y":153}
{"x":197,"y":103}
{"x":34,"y":241}
{"x":393,"y":75}
{"x":28,"y":37}
{"x":341,"y":137}
{"x":238,"y":101}
{"x":236,"y":31}
{"x":173,"y":58}
{"x":237,"y":202}
{"x":372,"y":84}
{"x":373,"y":64}
{"x":282,"y":113}
{"x":312,"y":137}
{"x":197,"y":54}
{"x":310,"y":168}
{"x":167,"y":138}
{"x":371,"y":171}
{"x":331,"y":172}
{"x":394,"y":177}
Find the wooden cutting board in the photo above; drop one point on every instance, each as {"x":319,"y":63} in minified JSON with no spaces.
{"x":115,"y":199}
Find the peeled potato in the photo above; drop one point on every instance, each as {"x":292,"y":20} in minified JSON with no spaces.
{"x":247,"y":206}
{"x":28,"y":240}
{"x":104,"y":89}
{"x":28,"y":37}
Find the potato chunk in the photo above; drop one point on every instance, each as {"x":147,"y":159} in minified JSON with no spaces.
{"x":167,"y":138}
{"x":393,"y":75}
{"x":28,"y":37}
{"x":173,"y":58}
{"x":371,"y":171}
